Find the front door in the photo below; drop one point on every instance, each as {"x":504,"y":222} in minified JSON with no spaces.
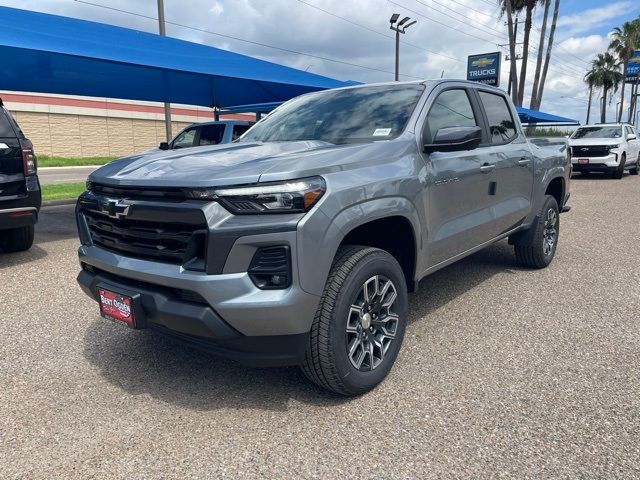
{"x":458,"y":183}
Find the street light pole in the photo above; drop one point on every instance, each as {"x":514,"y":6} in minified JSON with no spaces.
{"x":399,"y":27}
{"x":167,"y":106}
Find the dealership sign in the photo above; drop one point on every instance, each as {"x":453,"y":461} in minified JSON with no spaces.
{"x":633,"y":66}
{"x":484,"y":68}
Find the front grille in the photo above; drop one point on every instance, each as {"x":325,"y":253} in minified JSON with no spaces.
{"x":174,"y":243}
{"x":590,"y":151}
{"x":138,"y":193}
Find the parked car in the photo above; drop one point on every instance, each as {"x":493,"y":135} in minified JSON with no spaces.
{"x":208,"y":133}
{"x":608,"y":148}
{"x":298,"y":244}
{"x":20,"y":196}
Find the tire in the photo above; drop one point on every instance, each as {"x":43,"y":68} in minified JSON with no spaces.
{"x":338,"y":325}
{"x":535,"y":252}
{"x":619,"y":173}
{"x":17,"y":239}
{"x":634,"y":170}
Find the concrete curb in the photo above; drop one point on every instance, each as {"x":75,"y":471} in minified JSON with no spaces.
{"x":55,"y":203}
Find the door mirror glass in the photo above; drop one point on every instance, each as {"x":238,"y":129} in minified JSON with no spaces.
{"x":163,"y":146}
{"x":453,"y":139}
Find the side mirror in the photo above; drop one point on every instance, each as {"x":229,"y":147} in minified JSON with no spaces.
{"x":453,"y":139}
{"x":163,"y":146}
{"x":631,"y":136}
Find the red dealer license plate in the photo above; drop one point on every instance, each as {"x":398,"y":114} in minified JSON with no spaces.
{"x":115,"y":306}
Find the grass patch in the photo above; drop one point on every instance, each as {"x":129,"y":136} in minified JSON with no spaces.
{"x":46,"y":161}
{"x":62,"y":191}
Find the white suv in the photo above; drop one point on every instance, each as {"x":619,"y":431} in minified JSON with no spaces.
{"x":611,"y":148}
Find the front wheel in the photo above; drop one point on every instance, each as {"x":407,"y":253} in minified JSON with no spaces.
{"x":542,"y":239}
{"x":634,"y":170}
{"x":360,"y":322}
{"x":619,"y":172}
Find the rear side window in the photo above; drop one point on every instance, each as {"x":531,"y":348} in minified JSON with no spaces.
{"x":211,"y":134}
{"x":5,"y":125}
{"x":501,"y":124}
{"x":452,"y":108}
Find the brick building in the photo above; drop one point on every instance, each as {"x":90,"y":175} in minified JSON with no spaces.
{"x":74,"y":126}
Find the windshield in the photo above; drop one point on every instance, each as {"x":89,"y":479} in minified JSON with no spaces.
{"x":355,"y":115}
{"x":598,"y":132}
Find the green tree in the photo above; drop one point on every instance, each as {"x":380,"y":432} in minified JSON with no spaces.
{"x":606,"y":75}
{"x":590,"y":80}
{"x":624,"y":40}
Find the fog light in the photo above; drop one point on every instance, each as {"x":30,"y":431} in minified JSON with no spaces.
{"x":270,"y":268}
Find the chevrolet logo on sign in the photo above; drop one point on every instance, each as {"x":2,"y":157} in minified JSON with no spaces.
{"x":483,"y":62}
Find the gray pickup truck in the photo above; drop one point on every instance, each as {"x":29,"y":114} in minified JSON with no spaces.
{"x":299,"y":243}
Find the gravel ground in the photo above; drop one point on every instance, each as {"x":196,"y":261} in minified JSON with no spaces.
{"x":504,"y":372}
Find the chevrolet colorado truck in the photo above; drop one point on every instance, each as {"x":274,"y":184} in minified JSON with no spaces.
{"x":299,"y":243}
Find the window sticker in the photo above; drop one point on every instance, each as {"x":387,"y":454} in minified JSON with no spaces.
{"x":382,"y":132}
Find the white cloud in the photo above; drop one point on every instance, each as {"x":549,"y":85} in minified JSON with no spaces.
{"x":295,"y":26}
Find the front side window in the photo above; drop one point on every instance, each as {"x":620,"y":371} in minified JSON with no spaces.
{"x":211,"y":134}
{"x":354,"y":115}
{"x":452,"y":108}
{"x":597,"y":132}
{"x":238,"y":130}
{"x":501,"y":124}
{"x":185,"y":139}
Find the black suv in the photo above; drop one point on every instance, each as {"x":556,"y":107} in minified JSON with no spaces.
{"x":20,"y":196}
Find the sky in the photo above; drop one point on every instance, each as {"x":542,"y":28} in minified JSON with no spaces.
{"x":355,"y":43}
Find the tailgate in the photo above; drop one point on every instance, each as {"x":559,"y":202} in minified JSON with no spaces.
{"x":11,"y":173}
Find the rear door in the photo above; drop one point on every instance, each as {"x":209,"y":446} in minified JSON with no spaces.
{"x":508,"y":149}
{"x":458,"y":204}
{"x":634,"y":146}
{"x":11,"y":169}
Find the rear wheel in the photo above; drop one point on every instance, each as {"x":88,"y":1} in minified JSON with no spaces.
{"x":619,"y":173}
{"x":360,"y":323}
{"x":540,"y":248}
{"x":17,"y":239}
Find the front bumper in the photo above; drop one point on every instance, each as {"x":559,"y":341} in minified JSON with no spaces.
{"x":597,"y":164}
{"x":187,"y":317}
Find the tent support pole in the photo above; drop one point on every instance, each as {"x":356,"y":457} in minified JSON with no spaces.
{"x":167,"y":106}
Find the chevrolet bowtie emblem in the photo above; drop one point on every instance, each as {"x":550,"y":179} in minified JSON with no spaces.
{"x":115,"y":208}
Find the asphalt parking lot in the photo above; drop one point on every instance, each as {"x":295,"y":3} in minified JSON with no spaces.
{"x":504,"y":372}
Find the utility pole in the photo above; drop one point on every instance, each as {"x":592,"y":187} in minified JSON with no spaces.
{"x":400,"y":27}
{"x":167,"y":106}
{"x":517,"y":57}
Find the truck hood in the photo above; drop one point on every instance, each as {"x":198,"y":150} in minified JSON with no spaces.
{"x":578,"y":142}
{"x":237,"y":163}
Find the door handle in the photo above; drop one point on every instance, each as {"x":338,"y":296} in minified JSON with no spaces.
{"x":524,"y":161}
{"x":487,"y":167}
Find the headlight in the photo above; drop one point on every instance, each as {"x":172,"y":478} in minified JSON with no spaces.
{"x":283,"y":197}
{"x":613,"y":147}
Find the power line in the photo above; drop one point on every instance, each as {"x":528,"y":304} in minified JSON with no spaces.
{"x":378,"y":32}
{"x":320,"y":57}
{"x":441,"y":23}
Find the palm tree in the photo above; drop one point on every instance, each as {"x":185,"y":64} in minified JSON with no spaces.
{"x":590,"y":80}
{"x":623,"y":43}
{"x":547,"y":59}
{"x":605,"y":74}
{"x":536,"y":75}
{"x":634,"y":86}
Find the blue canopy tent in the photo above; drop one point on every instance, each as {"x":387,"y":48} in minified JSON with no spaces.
{"x":541,"y":118}
{"x":54,"y":54}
